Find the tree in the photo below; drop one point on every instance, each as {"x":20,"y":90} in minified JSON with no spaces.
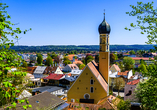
{"x":57,"y":59}
{"x":128,"y":63}
{"x":113,"y":57}
{"x":124,"y":105}
{"x":24,"y":64}
{"x":146,"y":20}
{"x":97,"y":58}
{"x":132,"y":52}
{"x":11,"y":82}
{"x":142,"y":68}
{"x":88,"y":59}
{"x":146,"y":91}
{"x":39,"y":59}
{"x":53,"y":55}
{"x":118,"y":84}
{"x":81,"y":66}
{"x":48,"y":61}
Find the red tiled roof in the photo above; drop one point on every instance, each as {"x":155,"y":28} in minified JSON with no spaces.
{"x":54,"y":76}
{"x":77,"y":62}
{"x":70,"y":57}
{"x":97,"y":75}
{"x":134,"y":82}
{"x":123,"y":73}
{"x":31,"y":69}
{"x":139,"y":58}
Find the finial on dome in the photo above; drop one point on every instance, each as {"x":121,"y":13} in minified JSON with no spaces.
{"x":104,"y":27}
{"x":104,"y":11}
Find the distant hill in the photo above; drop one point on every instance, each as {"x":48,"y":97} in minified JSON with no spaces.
{"x":80,"y":47}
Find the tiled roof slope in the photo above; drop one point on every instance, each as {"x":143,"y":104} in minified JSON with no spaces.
{"x":134,"y":82}
{"x":31,"y":69}
{"x":97,"y":75}
{"x":123,"y":73}
{"x":55,"y":76}
{"x":116,"y":67}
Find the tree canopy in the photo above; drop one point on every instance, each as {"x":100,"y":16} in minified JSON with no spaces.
{"x":146,"y":20}
{"x":128,"y":63}
{"x":39,"y":59}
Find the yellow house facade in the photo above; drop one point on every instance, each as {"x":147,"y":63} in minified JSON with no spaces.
{"x":89,"y":87}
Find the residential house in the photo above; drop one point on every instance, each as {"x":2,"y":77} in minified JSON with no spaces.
{"x":70,"y":67}
{"x":129,"y":90}
{"x":24,"y":94}
{"x":51,"y":89}
{"x":138,"y":60}
{"x":53,"y":79}
{"x":38,"y":102}
{"x":114,"y":68}
{"x":66,"y":82}
{"x":50,"y":70}
{"x":31,"y":69}
{"x":38,"y":73}
{"x":75,"y":72}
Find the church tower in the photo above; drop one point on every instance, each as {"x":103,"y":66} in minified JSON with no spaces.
{"x":104,"y":53}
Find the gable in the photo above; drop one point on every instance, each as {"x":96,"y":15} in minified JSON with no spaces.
{"x":89,"y":72}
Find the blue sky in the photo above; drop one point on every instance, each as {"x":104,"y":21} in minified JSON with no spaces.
{"x":73,"y":22}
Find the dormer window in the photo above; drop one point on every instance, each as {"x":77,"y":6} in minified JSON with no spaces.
{"x":91,"y":81}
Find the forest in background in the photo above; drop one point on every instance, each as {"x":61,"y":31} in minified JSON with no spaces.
{"x":79,"y":48}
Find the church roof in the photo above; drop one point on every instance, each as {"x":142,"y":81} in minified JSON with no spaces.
{"x":96,"y":73}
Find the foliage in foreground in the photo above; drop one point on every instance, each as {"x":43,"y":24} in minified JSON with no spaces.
{"x":11,"y":81}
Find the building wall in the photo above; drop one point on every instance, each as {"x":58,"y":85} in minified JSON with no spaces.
{"x":82,"y":86}
{"x":127,"y":89}
{"x":67,"y":68}
{"x":113,"y":69}
{"x":58,"y":71}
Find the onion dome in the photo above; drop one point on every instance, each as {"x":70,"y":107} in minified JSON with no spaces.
{"x":104,"y":27}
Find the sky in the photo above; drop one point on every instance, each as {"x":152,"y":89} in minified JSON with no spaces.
{"x":73,"y":22}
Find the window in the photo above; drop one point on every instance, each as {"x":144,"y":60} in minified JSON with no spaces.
{"x":86,"y":87}
{"x":79,"y":80}
{"x":95,"y":88}
{"x":77,"y":87}
{"x":91,"y":90}
{"x":86,"y":73}
{"x":91,"y":81}
{"x":86,"y":96}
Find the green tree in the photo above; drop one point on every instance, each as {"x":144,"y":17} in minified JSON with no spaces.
{"x":118,"y":84}
{"x":88,"y":59}
{"x":53,"y":55}
{"x":113,"y":57}
{"x":97,"y":58}
{"x":48,"y":61}
{"x":128,"y":63}
{"x":24,"y":64}
{"x":132,"y":52}
{"x":124,"y":105}
{"x":39,"y":59}
{"x":67,"y":62}
{"x":11,"y":82}
{"x":146,"y":20}
{"x":81,"y":66}
{"x":142,"y":68}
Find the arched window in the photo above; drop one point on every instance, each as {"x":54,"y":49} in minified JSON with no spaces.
{"x":91,"y":90}
{"x":91,"y":81}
